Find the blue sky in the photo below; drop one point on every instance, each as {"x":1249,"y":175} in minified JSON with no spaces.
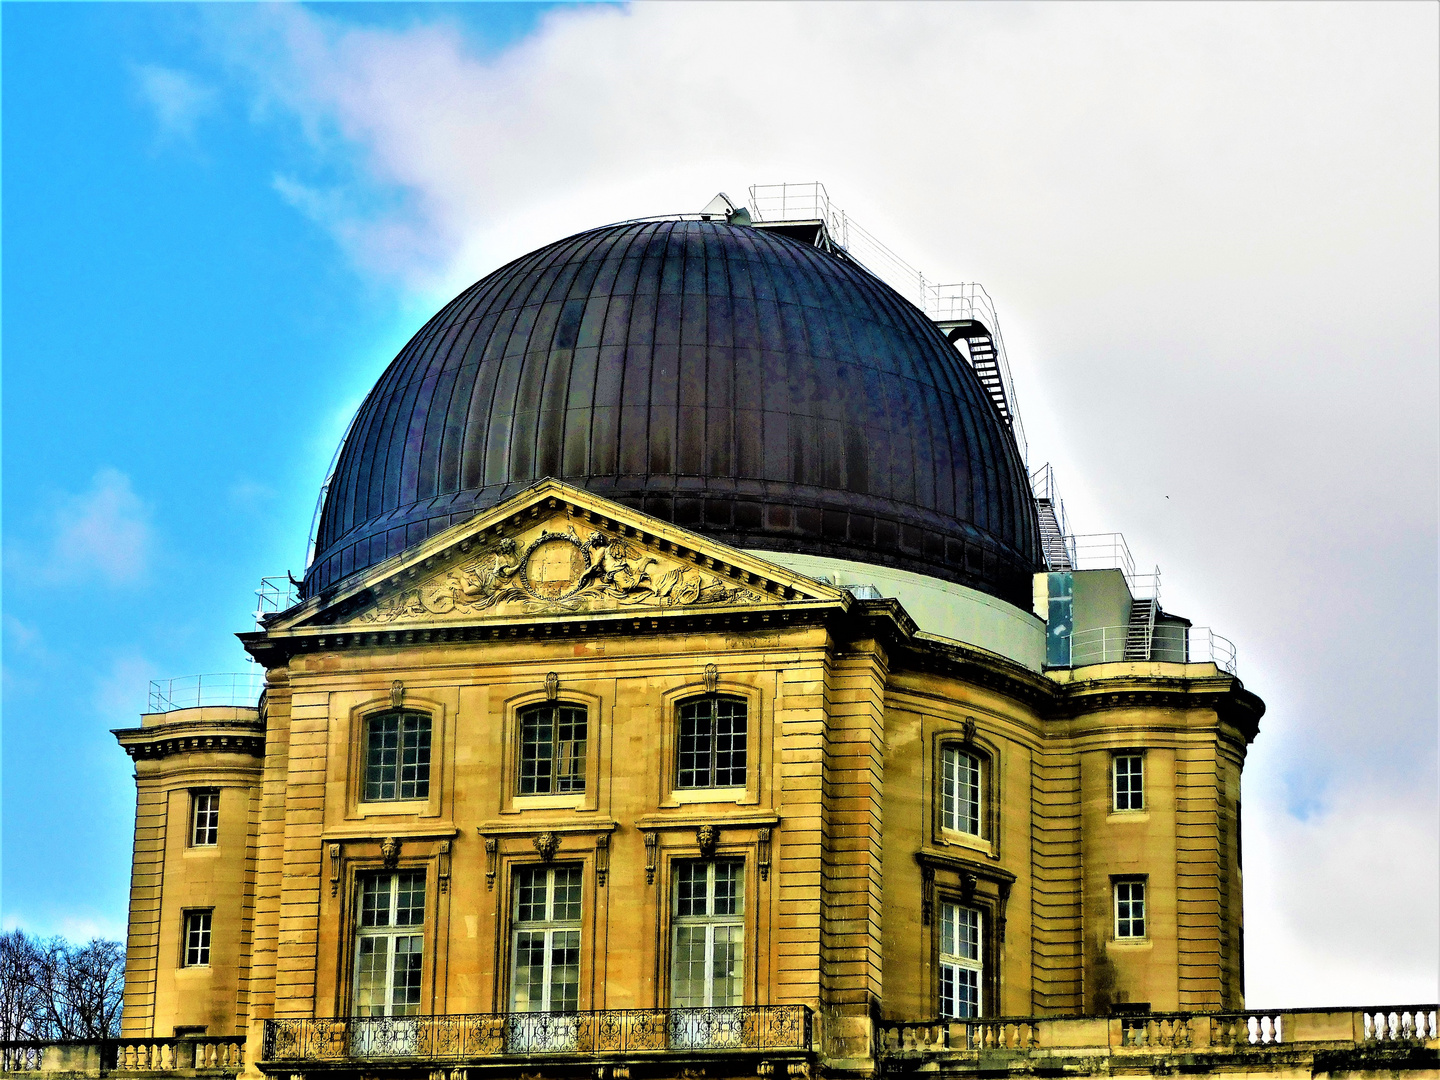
{"x":221,"y":221}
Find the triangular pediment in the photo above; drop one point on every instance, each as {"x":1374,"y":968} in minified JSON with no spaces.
{"x":554,"y":551}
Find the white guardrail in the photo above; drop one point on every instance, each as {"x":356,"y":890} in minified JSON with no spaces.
{"x":215,"y":689}
{"x":1185,"y":645}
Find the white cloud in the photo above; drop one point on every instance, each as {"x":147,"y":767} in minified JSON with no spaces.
{"x":177,"y":97}
{"x":101,"y":534}
{"x":1211,"y":233}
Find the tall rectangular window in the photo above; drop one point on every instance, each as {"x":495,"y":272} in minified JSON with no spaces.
{"x":1129,"y":781}
{"x":545,"y":954}
{"x":707,"y":960}
{"x":962,"y":969}
{"x":1130,"y":909}
{"x":552,"y":749}
{"x":959,"y":790}
{"x":389,"y":945}
{"x":204,"y":818}
{"x":711,"y":749}
{"x":397,"y":757}
{"x":197,"y":938}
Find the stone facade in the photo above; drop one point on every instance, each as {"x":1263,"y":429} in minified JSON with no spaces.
{"x":557,"y":596}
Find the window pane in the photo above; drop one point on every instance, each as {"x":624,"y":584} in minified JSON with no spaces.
{"x":729,"y":966}
{"x":695,"y":744}
{"x":729,"y":888}
{"x":375,"y":900}
{"x":528,"y":981}
{"x":370,"y":971}
{"x":1130,"y":909}
{"x":1129,"y":792}
{"x":959,"y":791}
{"x":570,"y":732}
{"x":690,"y":880}
{"x":197,"y":939}
{"x":537,"y":751}
{"x":729,"y":742}
{"x":565,"y":971}
{"x":405,"y":995}
{"x":415,"y":757}
{"x":381,"y":757}
{"x":687,"y":968}
{"x":961,"y":963}
{"x":530,"y":894}
{"x":205,"y":830}
{"x":567,"y":895}
{"x":410,"y":899}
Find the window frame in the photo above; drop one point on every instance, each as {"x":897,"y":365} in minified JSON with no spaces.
{"x":960,"y":751}
{"x":710,"y":921}
{"x":678,"y":770}
{"x":1129,"y":883}
{"x":194,"y":916}
{"x":392,"y":931}
{"x":958,"y":963}
{"x":212,"y":828}
{"x":940,"y":736}
{"x":1116,"y":757}
{"x":548,"y":927}
{"x":416,"y":797}
{"x":555,"y":708}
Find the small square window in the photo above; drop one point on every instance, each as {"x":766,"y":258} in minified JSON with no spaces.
{"x":1130,"y":909}
{"x":1128,"y":782}
{"x":197,"y":939}
{"x":204,"y":818}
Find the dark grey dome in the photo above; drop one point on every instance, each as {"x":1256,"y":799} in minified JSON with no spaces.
{"x":735,"y":382}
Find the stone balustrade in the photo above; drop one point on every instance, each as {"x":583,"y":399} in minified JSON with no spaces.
{"x":1398,"y":1034}
{"x":179,"y":1056}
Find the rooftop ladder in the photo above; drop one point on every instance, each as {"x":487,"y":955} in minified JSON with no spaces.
{"x":1140,"y":634}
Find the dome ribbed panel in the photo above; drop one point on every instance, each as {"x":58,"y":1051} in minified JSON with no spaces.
{"x":727,"y":379}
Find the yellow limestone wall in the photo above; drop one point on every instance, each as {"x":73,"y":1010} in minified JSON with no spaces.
{"x":843,"y":775}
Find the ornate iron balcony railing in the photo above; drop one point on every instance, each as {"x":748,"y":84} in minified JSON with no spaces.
{"x":461,"y":1037}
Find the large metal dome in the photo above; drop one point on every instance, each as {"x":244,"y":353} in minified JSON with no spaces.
{"x":736,"y":382}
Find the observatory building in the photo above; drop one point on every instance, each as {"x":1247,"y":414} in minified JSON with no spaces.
{"x":690,"y":680}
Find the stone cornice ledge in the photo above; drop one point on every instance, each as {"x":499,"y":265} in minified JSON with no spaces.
{"x":531,"y":826}
{"x":687,"y":818}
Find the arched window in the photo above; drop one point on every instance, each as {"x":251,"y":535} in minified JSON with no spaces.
{"x":710,"y":750}
{"x":961,"y":790}
{"x":397,"y":757}
{"x":552,"y":749}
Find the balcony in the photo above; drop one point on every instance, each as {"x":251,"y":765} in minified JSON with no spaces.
{"x":501,"y":1038}
{"x":1395,"y":1040}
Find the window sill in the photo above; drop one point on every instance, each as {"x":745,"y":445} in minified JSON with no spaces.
{"x":686,"y":796}
{"x":569,"y":801}
{"x":950,"y":838}
{"x":1128,"y":815}
{"x":409,"y":807}
{"x":1131,"y":943}
{"x":202,"y":851}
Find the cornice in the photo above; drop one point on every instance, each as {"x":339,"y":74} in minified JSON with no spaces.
{"x":531,"y":826}
{"x":195,"y":737}
{"x":938,"y":860}
{"x":687,"y":818}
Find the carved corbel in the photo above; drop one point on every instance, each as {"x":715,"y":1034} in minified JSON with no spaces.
{"x":492,"y":845}
{"x":712,"y":678}
{"x":762,"y":857}
{"x":552,"y":686}
{"x":927,"y":894}
{"x":1000,"y":910}
{"x":967,"y":886}
{"x":707,"y":836}
{"x":390,"y":852}
{"x":443,"y":869}
{"x":652,"y":841}
{"x":967,"y":731}
{"x":547,"y":843}
{"x":334,"y":869}
{"x":602,"y":859}
{"x":397,"y":694}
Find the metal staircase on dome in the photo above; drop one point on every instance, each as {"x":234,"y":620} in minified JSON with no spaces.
{"x":964,"y":312}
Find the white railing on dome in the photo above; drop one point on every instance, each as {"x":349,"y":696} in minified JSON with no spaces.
{"x":275,"y":594}
{"x":1109,"y":551}
{"x":1195,"y":645}
{"x":215,"y":689}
